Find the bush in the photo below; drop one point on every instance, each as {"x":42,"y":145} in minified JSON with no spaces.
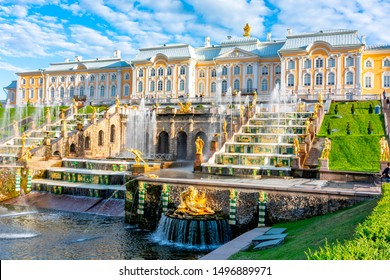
{"x":336,"y":109}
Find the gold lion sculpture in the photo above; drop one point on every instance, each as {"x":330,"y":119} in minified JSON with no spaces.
{"x":193,"y":203}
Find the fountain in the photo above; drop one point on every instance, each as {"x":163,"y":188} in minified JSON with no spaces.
{"x":193,"y":224}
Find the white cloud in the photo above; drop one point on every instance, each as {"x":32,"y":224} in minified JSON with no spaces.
{"x":11,"y":68}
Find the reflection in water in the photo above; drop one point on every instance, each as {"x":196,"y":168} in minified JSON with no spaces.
{"x":47,"y":234}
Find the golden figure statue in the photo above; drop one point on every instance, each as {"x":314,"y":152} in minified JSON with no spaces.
{"x":23,"y":139}
{"x":296,"y":147}
{"x":138,"y":156}
{"x":326,"y":151}
{"x":384,"y":149}
{"x":93,"y":115}
{"x":185,"y":108}
{"x":308,"y":124}
{"x":224,"y":126}
{"x":315,"y":111}
{"x":27,"y":153}
{"x":320,"y":99}
{"x":199,"y":144}
{"x":193,"y":203}
{"x":74,"y":104}
{"x":47,"y":114}
{"x":232,"y":194}
{"x":247,"y":30}
{"x":117,"y":102}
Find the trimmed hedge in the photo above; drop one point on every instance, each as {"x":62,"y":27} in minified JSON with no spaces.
{"x":372,"y":241}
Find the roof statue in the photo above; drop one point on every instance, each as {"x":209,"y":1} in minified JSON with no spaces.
{"x":247,"y":30}
{"x":185,"y":108}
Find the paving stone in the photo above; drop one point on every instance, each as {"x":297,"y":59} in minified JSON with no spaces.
{"x":268,"y":244}
{"x":275,"y":231}
{"x":270,"y":237}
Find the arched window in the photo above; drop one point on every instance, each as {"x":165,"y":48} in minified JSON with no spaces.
{"x":249,"y":69}
{"x":349,"y":78}
{"x":91,"y":91}
{"x":331,"y":79}
{"x":113,"y":77}
{"x":71,"y":91}
{"x":368,"y":64}
{"x":386,"y":62}
{"x":72,"y":78}
{"x":182,"y":70}
{"x":368,"y":81}
{"x":62,"y":92}
{"x":53,"y":79}
{"x":160,"y":86}
{"x":290,"y":80}
{"x":236,"y":70}
{"x":87,"y":143}
{"x":201,"y":88}
{"x":249,"y":85}
{"x":264,"y":85}
{"x":92,"y":78}
{"x":127,"y":76}
{"x":349,"y":61}
{"x":113,"y":90}
{"x":160,"y":71}
{"x":40,"y":93}
{"x":152,"y":72}
{"x":291,"y":64}
{"x":169,"y":85}
{"x":100,"y":138}
{"x":307,"y":79}
{"x":23,"y":93}
{"x":264,"y":70}
{"x":31,"y":93}
{"x":386,"y":79}
{"x":103,"y":77}
{"x":278,"y":70}
{"x":224,"y":86}
{"x":62,"y":79}
{"x":163,"y":143}
{"x":319,"y":79}
{"x":224,"y":71}
{"x":213,"y":87}
{"x":319,"y":62}
{"x":126,"y":90}
{"x":236,"y":84}
{"x":331,"y":62}
{"x":307,"y":63}
{"x":112,"y":134}
{"x":140,"y":86}
{"x":169,"y":71}
{"x":201,"y":73}
{"x":151,"y":86}
{"x":81,"y":91}
{"x":52,"y":93}
{"x":102,"y":91}
{"x":72,"y":148}
{"x":213,"y":73}
{"x":181,"y":85}
{"x":140,"y":73}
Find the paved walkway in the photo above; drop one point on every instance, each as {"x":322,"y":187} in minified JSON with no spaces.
{"x":238,"y":244}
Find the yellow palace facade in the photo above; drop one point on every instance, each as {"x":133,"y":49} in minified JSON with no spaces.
{"x":333,"y":61}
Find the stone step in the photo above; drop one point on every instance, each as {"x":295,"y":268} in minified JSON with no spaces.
{"x":314,"y":153}
{"x":78,"y":185}
{"x":87,"y":171}
{"x":268,"y":244}
{"x":273,"y":231}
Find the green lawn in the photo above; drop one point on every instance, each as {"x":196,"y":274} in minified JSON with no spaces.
{"x":313,"y":233}
{"x":88,"y":109}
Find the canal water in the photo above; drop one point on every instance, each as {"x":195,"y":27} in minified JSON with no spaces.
{"x":30,"y":233}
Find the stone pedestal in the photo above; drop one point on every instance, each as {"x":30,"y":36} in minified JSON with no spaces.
{"x":324,"y":164}
{"x":139,"y":169}
{"x":213,"y":146}
{"x":296,"y":164}
{"x":383,"y":165}
{"x":198,"y":162}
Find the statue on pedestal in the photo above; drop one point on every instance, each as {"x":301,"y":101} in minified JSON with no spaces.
{"x":193,"y":203}
{"x":138,"y":156}
{"x":247,"y":30}
{"x":296,"y":147}
{"x":199,"y":144}
{"x":384,"y":148}
{"x":326,"y":151}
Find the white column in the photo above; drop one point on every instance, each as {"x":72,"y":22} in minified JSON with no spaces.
{"x":299,"y":73}
{"x":207,"y":83}
{"x":188,"y":80}
{"x":283,"y":76}
{"x":97,"y":90}
{"x":134,"y":86}
{"x":256,"y":76}
{"x":338,"y":69}
{"x":119,"y":83}
{"x":358,"y":71}
{"x":271,"y":77}
{"x":46,"y":90}
{"x":107,"y":86}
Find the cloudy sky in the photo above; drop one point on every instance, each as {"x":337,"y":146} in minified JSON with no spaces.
{"x":35,"y":33}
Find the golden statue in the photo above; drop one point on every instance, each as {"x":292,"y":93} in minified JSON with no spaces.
{"x":27,"y":153}
{"x":315,"y":111}
{"x":384,"y":149}
{"x":224,"y":126}
{"x":247,"y":30}
{"x":326,"y":150}
{"x":199,"y":144}
{"x":47,"y":114}
{"x":93,"y":115}
{"x":74,"y":104}
{"x":308,"y":124}
{"x":320,"y":99}
{"x":193,"y":203}
{"x":296,"y":147}
{"x":117,"y":102}
{"x":232,"y":194}
{"x":23,"y":139}
{"x":138,"y":156}
{"x":185,"y":108}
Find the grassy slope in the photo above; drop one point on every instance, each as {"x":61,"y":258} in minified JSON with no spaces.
{"x":312,"y":233}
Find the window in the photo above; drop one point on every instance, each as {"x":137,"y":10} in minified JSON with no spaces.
{"x":264,"y":85}
{"x":307,"y":63}
{"x":53,"y":79}
{"x":307,"y":80}
{"x":71,"y":91}
{"x":113,"y":77}
{"x":236,"y":70}
{"x":213,"y":87}
{"x":127,"y":76}
{"x":224,"y":86}
{"x":103,"y":77}
{"x":201,"y":88}
{"x":152,"y":72}
{"x":151,"y":86}
{"x":12,"y":96}
{"x":169,"y":71}
{"x":140,"y":86}
{"x":181,"y":85}
{"x":349,"y":61}
{"x":291,"y":64}
{"x":331,"y":79}
{"x":52,"y":93}
{"x":113,"y":91}
{"x":92,"y":78}
{"x":87,"y":143}
{"x":160,"y":86}
{"x":100,"y":137}
{"x":82,"y":78}
{"x":331,"y":62}
{"x":349,"y":78}
{"x":236,"y":84}
{"x":368,"y":64}
{"x":40,"y":81}
{"x":249,"y":69}
{"x":40,"y":93}
{"x":112,"y":134}
{"x":23,"y":93}
{"x":367,"y":82}
{"x":140,"y":73}
{"x":62,"y":79}
{"x":31,"y":93}
{"x":277,"y":83}
{"x":201,"y":74}
{"x":62,"y":92}
{"x":319,"y":79}
{"x":91,"y":91}
{"x":102,"y":91}
{"x":32,"y":81}
{"x":81,"y":91}
{"x":169,"y":85}
{"x":386,"y":80}
{"x":160,"y":71}
{"x":278,"y":70}
{"x":386,"y":62}
{"x":182,"y":70}
{"x":319,"y":62}
{"x":213,"y":73}
{"x":224,"y":71}
{"x":264,"y":70}
{"x":23,"y":81}
{"x":249,"y":85}
{"x":290,"y":80}
{"x":127,"y":90}
{"x":72,"y":78}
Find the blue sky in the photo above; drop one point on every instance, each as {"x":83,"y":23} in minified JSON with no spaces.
{"x":35,"y":33}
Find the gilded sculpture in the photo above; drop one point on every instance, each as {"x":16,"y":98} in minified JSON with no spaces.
{"x":296,"y":147}
{"x":138,"y":156}
{"x":384,"y":147}
{"x":326,"y":151}
{"x":185,"y":108}
{"x":117,"y":102}
{"x":247,"y":30}
{"x":193,"y":203}
{"x":199,"y":144}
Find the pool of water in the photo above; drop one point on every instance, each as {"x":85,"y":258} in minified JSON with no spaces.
{"x":29,"y":233}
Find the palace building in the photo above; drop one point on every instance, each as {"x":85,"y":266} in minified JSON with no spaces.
{"x":333,"y":61}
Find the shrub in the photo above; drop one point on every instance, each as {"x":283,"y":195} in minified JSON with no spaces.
{"x":369,"y":128}
{"x":336,"y":109}
{"x":348,"y":128}
{"x":329,"y":128}
{"x":353,"y":109}
{"x":370,"y":109}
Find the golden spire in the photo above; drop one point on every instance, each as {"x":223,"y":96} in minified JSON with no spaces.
{"x":247,"y":30}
